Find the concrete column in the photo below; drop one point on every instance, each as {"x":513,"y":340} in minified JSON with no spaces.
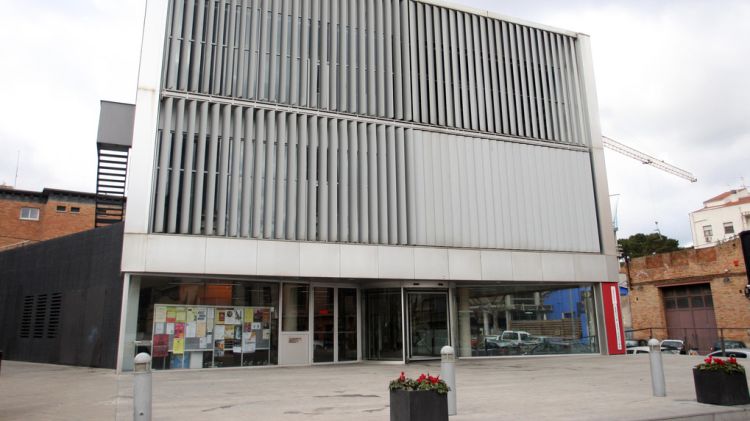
{"x":131,"y":292}
{"x":289,"y":299}
{"x":464,"y":323}
{"x":486,"y":321}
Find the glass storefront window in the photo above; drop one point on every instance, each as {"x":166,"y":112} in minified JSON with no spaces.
{"x":296,"y":308}
{"x":347,"y":324}
{"x":323,"y":324}
{"x":198,"y":323}
{"x":383,"y":340}
{"x":526,"y":319}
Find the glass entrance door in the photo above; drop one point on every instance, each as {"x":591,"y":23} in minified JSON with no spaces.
{"x":428,"y":323}
{"x":334,"y":324}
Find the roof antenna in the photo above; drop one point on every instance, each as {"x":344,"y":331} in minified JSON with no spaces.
{"x":18,"y":161}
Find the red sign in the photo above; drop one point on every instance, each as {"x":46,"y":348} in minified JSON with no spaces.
{"x":160,"y":346}
{"x":613,"y":318}
{"x":323,"y":312}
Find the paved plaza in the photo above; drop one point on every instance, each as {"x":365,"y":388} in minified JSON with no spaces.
{"x":555,"y":388}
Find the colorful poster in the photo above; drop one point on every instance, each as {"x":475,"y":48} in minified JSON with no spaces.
{"x":190,"y":330}
{"x":179,"y":330}
{"x":170,"y":329}
{"x":200,"y":314}
{"x":200,"y":328}
{"x":160,"y":346}
{"x":247,"y":327}
{"x":190,"y":315}
{"x":248,"y":314}
{"x":219,"y":348}
{"x":258,"y":315}
{"x":178,"y":346}
{"x":233,"y":317}
{"x":180,"y":315}
{"x":238,"y":332}
{"x":221,"y":316}
{"x":229,"y":332}
{"x":160,"y":314}
{"x":248,"y":342}
{"x":159,"y":328}
{"x":219,"y":331}
{"x":171,"y":314}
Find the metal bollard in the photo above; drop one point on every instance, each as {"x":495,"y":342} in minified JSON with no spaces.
{"x":448,"y":373}
{"x":657,"y":368}
{"x":142,"y":388}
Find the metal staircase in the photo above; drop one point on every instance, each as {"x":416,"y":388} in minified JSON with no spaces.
{"x":111,"y":172}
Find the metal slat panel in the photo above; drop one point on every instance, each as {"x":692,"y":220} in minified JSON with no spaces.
{"x":173,"y":60}
{"x":495,"y":186}
{"x":558,"y":90}
{"x":429,"y":50}
{"x":419,"y":188}
{"x":292,"y":179}
{"x":200,"y":160}
{"x":392,"y":224}
{"x":471,"y":60}
{"x":372,"y":182}
{"x":480,"y":85}
{"x":489,"y":203}
{"x":575,"y":99}
{"x":226,"y":132}
{"x":401,"y":186}
{"x":165,"y":150}
{"x":364,"y":190}
{"x":475,"y":146}
{"x":516,"y":83}
{"x":234,"y":191}
{"x":274,"y":49}
{"x":294,"y":73}
{"x":439,"y":65}
{"x":333,"y":178}
{"x":213,"y":152}
{"x":268,"y":203}
{"x":208,"y":49}
{"x":388,"y":53}
{"x":538,"y":98}
{"x":422,"y":64}
{"x":312,"y":180}
{"x":486,"y":80}
{"x":565,"y":72}
{"x":550,"y":76}
{"x":454,"y":192}
{"x":579,"y":105}
{"x":406,"y":63}
{"x":229,"y":75}
{"x":195,"y":59}
{"x":352,"y":58}
{"x":463,"y":170}
{"x":501,"y":78}
{"x":462,"y":54}
{"x":323,"y":179}
{"x":382,"y":181}
{"x":354,"y":188}
{"x":242,"y":54}
{"x":343,"y":197}
{"x":325,"y":39}
{"x":380,"y":63}
{"x":344,"y":57}
{"x":505,"y":197}
{"x":371,"y":92}
{"x":521,"y":64}
{"x":286,"y":30}
{"x":414,"y":61}
{"x":305,"y":62}
{"x":315,"y":57}
{"x":546,"y":103}
{"x":447,"y":66}
{"x":496,"y":112}
{"x":254,"y":58}
{"x":531,"y":116}
{"x":438,"y":171}
{"x":398,"y":79}
{"x":258,"y":172}
{"x":174,"y":182}
{"x":333,"y":76}
{"x":411,"y":210}
{"x":219,"y":49}
{"x":247,"y":178}
{"x":280,"y":177}
{"x":264,"y":57}
{"x":362,"y":57}
{"x":302,"y":183}
{"x":509,"y":79}
{"x":456,"y":80}
{"x":187,"y":182}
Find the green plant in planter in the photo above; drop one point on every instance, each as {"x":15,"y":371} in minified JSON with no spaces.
{"x":721,"y":382}
{"x":423,"y":382}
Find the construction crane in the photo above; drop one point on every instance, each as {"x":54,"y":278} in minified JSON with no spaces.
{"x":616,"y":146}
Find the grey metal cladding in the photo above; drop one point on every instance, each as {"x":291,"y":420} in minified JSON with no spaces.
{"x":371,"y":121}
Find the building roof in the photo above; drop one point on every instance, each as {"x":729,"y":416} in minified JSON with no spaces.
{"x":721,"y":196}
{"x":45,"y":194}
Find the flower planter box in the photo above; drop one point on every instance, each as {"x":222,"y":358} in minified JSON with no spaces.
{"x":720,"y":388}
{"x":418,"y":405}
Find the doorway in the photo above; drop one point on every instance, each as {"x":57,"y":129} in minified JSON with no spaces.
{"x":427,"y":323}
{"x":334,"y":324}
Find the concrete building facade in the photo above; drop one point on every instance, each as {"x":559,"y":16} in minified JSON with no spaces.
{"x":27,"y":217}
{"x":333,"y":181}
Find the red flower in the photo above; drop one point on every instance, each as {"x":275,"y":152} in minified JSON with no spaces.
{"x":720,"y":362}
{"x":707,"y":360}
{"x":732,"y":360}
{"x":421,"y":378}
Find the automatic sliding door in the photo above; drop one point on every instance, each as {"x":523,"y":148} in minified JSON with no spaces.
{"x":323,"y":324}
{"x":347,"y":324}
{"x":428,"y":323}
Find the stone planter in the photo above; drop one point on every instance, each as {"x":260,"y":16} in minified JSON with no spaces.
{"x":720,"y":388}
{"x":418,"y":405}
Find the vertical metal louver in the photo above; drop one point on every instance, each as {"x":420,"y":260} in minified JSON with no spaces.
{"x":26,"y":316}
{"x":53,"y":320}
{"x":40,"y":316}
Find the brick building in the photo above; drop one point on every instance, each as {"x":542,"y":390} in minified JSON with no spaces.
{"x":694,"y":295}
{"x":29,"y":216}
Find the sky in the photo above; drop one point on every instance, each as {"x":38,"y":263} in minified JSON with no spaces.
{"x":671,"y":78}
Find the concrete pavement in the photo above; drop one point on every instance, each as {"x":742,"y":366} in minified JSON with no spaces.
{"x":558,"y":388}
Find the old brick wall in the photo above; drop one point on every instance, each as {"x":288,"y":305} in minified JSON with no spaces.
{"x":721,"y":266}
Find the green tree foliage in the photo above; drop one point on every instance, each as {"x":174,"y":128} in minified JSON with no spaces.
{"x":644,"y":244}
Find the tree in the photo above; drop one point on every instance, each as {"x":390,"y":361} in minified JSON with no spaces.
{"x":644,"y":244}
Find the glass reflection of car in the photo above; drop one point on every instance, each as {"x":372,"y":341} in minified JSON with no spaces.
{"x":631,"y":343}
{"x":728,"y":343}
{"x":736,"y":353}
{"x":674,"y":346}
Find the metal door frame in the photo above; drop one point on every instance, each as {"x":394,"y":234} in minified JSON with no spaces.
{"x":406,"y":314}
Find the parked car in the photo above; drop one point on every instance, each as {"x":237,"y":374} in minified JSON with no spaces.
{"x":728,"y":343}
{"x":637,"y":350}
{"x":675,"y":346}
{"x":734,"y":352}
{"x":516,"y":336}
{"x":630,"y":343}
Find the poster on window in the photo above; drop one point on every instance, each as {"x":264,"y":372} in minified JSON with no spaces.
{"x":160,"y":346}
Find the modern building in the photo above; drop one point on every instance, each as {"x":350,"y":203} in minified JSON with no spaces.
{"x":336,"y":181}
{"x":27,"y":217}
{"x":696,"y":295}
{"x":721,"y":219}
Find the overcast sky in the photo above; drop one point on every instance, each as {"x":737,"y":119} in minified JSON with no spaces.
{"x":672,"y":80}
